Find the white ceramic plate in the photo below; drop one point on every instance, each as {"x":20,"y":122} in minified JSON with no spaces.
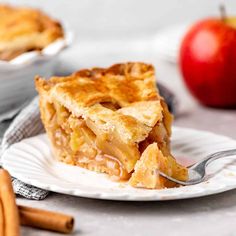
{"x":32,"y":162}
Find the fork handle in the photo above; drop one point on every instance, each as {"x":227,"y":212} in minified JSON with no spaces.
{"x":200,"y":166}
{"x":218,"y":155}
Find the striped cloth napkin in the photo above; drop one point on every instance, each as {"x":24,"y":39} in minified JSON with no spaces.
{"x":27,"y":124}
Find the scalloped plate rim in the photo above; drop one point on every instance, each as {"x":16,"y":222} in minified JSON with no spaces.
{"x":121,"y":196}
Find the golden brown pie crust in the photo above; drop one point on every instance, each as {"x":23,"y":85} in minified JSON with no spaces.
{"x":107,"y":119}
{"x":25,"y":29}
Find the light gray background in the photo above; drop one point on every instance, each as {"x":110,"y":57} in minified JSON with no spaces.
{"x":122,"y":18}
{"x":127,"y":20}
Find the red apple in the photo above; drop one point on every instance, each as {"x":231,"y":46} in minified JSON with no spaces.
{"x":208,"y":61}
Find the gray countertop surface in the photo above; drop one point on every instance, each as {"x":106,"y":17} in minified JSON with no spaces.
{"x":212,"y":215}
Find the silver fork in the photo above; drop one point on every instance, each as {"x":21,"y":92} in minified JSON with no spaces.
{"x":197,"y":172}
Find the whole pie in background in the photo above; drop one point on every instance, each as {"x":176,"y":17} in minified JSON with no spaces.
{"x":112,"y":121}
{"x":25,"y":29}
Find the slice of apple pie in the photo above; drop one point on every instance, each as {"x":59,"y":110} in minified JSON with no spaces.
{"x":112,"y":121}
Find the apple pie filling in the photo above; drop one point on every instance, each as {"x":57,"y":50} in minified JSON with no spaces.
{"x":75,"y":143}
{"x":81,"y":142}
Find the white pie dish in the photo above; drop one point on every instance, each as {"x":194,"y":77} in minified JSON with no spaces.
{"x":17,"y":75}
{"x":32,"y":162}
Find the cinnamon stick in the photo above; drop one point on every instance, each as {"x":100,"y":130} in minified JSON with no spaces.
{"x":1,"y":219}
{"x":45,"y":219}
{"x":10,"y":210}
